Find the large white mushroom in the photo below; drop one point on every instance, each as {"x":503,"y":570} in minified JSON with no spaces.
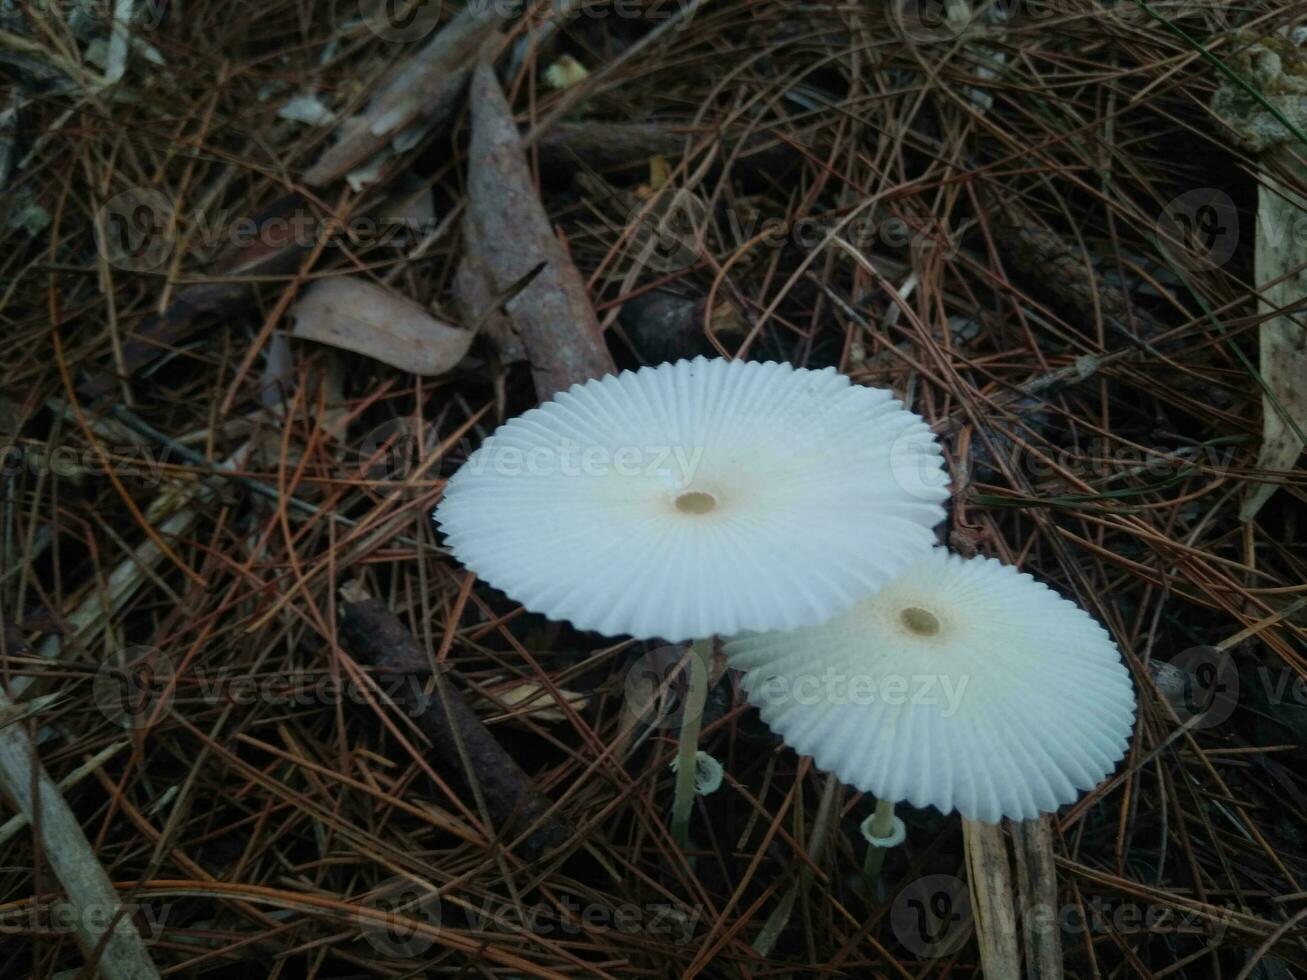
{"x":698,"y":498}
{"x":963,"y":684}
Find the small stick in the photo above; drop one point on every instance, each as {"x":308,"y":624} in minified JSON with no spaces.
{"x":377,"y":636}
{"x":1037,"y":877}
{"x":104,"y":930}
{"x":16,"y":823}
{"x":424,"y":89}
{"x":989,"y":877}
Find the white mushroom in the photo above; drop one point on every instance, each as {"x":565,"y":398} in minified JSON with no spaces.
{"x":964,"y":685}
{"x":698,"y":498}
{"x":708,"y":773}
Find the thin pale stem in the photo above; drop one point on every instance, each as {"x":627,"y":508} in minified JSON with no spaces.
{"x":691,"y":722}
{"x":882,"y":822}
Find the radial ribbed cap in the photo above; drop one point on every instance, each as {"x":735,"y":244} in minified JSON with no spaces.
{"x":963,"y":684}
{"x":697,"y":498}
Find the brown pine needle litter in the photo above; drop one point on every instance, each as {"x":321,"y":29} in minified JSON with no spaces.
{"x":347,"y":757}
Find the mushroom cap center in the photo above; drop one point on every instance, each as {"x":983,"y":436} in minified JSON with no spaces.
{"x":923,"y":622}
{"x":695,"y":502}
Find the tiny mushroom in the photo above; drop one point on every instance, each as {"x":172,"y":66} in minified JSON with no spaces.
{"x":964,"y":684}
{"x":708,"y":773}
{"x":698,"y":498}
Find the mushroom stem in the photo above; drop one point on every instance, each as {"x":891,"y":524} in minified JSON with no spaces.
{"x":881,"y":827}
{"x":691,"y":722}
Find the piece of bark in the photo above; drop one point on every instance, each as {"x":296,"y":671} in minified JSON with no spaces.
{"x":102,"y":926}
{"x":353,"y":314}
{"x":476,"y":303}
{"x":507,"y":233}
{"x":1057,"y":269}
{"x":1264,"y":102}
{"x":1280,"y":263}
{"x":423,"y":90}
{"x":378,"y":638}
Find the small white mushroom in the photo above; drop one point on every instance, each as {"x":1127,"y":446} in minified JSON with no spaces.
{"x":565,"y":72}
{"x":708,"y":773}
{"x":897,"y":834}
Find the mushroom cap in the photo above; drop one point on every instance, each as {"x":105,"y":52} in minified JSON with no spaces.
{"x":697,"y":498}
{"x":963,"y":684}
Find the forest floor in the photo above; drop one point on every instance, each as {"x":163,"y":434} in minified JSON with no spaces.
{"x":1035,"y":222}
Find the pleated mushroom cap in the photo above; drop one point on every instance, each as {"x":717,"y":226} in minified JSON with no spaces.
{"x":699,"y":497}
{"x":963,"y":684}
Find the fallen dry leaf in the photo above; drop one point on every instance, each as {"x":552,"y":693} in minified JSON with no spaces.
{"x":532,"y":701}
{"x":360,"y":316}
